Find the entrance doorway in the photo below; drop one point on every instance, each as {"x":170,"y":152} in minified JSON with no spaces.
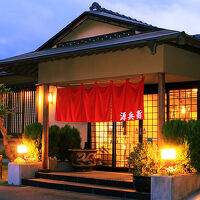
{"x":114,"y":141}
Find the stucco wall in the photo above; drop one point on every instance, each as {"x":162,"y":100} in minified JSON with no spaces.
{"x":181,"y":62}
{"x":90,"y":28}
{"x":104,"y":65}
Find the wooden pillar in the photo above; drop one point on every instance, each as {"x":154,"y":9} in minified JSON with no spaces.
{"x":37,"y":102}
{"x":161,"y":105}
{"x":45,"y":131}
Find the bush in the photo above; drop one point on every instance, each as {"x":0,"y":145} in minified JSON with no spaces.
{"x":182,"y":132}
{"x":32,"y":138}
{"x":144,"y":159}
{"x":69,"y":138}
{"x":60,"y":140}
{"x":194,"y":144}
{"x":175,"y":131}
{"x":54,"y":132}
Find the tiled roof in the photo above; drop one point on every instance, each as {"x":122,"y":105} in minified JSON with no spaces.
{"x":100,"y":13}
{"x":98,"y":10}
{"x":197,"y":36}
{"x":131,"y":40}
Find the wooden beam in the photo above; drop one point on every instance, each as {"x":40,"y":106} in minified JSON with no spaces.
{"x":45,"y":132}
{"x":161,"y":106}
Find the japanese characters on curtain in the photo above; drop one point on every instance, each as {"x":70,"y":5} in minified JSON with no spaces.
{"x":128,"y":101}
{"x":95,"y":104}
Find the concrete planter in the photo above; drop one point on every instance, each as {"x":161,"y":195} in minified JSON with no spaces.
{"x":83,"y":159}
{"x":16,"y":172}
{"x":59,"y":166}
{"x":174,"y":187}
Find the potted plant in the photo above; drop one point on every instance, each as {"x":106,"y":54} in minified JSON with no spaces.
{"x":143,"y":162}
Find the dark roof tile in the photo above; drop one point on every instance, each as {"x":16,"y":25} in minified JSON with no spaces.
{"x":197,"y":36}
{"x":101,"y":44}
{"x":97,"y":9}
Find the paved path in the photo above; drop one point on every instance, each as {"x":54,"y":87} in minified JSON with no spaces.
{"x":33,"y":193}
{"x":195,"y":196}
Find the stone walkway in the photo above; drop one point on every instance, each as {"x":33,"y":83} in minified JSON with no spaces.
{"x":33,"y":193}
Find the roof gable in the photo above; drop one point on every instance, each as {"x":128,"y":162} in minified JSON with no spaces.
{"x":102,"y":15}
{"x":91,"y":28}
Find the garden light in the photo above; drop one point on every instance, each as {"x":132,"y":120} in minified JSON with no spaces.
{"x":21,"y":149}
{"x":168,"y":154}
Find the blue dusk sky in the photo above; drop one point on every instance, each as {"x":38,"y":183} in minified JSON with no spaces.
{"x":27,"y":24}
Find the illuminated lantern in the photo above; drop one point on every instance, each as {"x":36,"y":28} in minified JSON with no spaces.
{"x":21,"y":149}
{"x":168,"y":154}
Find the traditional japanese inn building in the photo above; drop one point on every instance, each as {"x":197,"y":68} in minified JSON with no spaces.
{"x":101,"y":46}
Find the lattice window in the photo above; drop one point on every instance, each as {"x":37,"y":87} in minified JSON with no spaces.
{"x":150,"y":122}
{"x":23,"y":106}
{"x":102,"y":137}
{"x":183,"y":104}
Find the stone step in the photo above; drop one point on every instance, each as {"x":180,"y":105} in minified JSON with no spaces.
{"x":77,"y":178}
{"x":86,"y":188}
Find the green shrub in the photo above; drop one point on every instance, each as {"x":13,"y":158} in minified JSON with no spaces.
{"x":69,"y":138}
{"x":182,"y":132}
{"x":60,"y":140}
{"x":194,"y":144}
{"x":175,"y":131}
{"x":32,"y":138}
{"x":54,"y":133}
{"x":144,"y":159}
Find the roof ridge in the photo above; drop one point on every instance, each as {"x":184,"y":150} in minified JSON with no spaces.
{"x":96,"y":7}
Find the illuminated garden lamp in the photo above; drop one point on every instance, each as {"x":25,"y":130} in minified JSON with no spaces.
{"x":50,"y":97}
{"x":168,"y":154}
{"x":22,"y":150}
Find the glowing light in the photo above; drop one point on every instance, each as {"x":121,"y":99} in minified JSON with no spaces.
{"x":124,"y":147}
{"x":195,"y":90}
{"x":50,"y":97}
{"x":183,"y":110}
{"x":168,"y":154}
{"x":21,"y":149}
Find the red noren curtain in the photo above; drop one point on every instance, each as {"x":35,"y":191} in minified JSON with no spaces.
{"x":94,"y":104}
